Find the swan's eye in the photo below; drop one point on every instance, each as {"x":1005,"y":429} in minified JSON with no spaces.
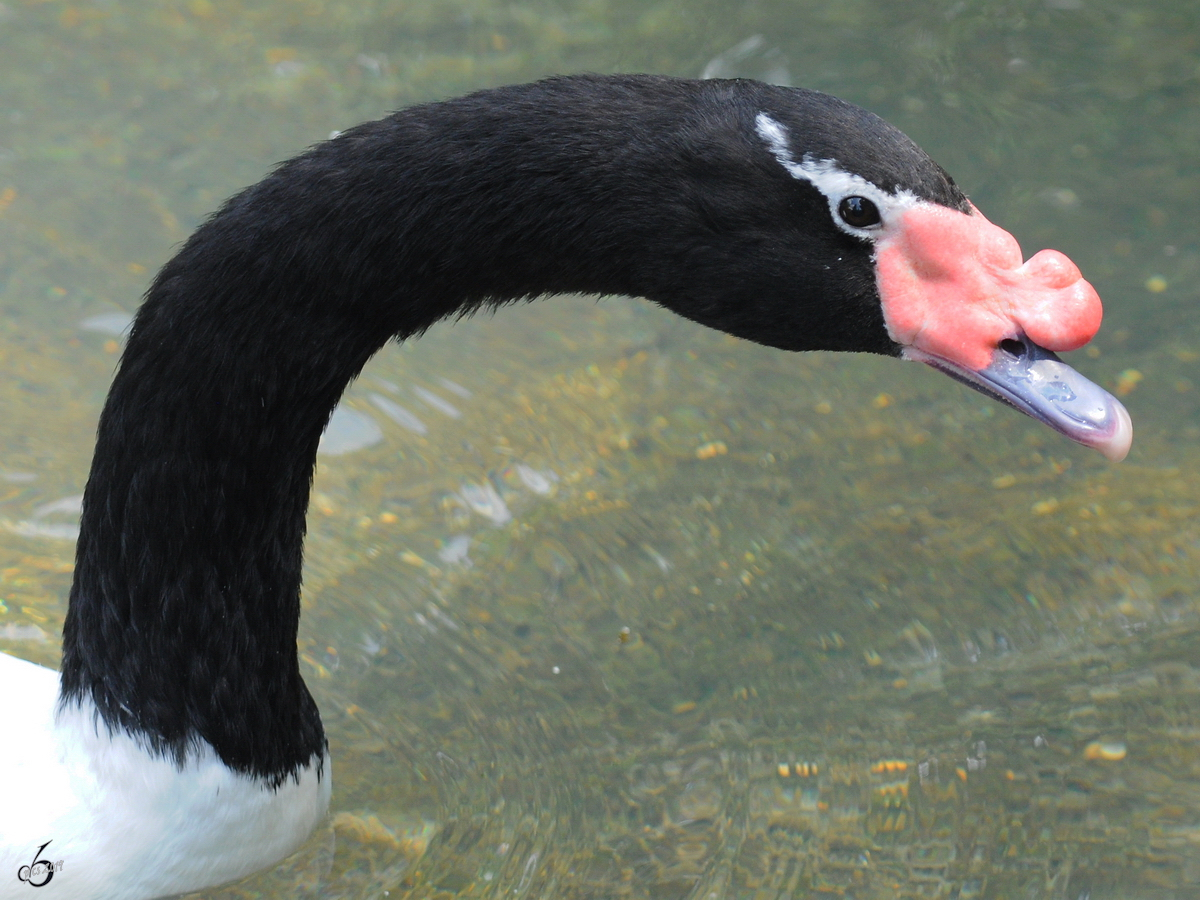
{"x":858,"y":212}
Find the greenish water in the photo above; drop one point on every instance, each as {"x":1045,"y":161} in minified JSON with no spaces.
{"x":971,"y":647}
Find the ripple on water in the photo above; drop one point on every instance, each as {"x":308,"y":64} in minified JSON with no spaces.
{"x":117,"y":323}
{"x":483,"y":500}
{"x":41,"y":524}
{"x":454,"y":388}
{"x":454,"y":550}
{"x":540,"y":482}
{"x":399,"y":414}
{"x":349,"y":430}
{"x":429,"y":398}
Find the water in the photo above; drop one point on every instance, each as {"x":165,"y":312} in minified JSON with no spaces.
{"x":661,"y":613}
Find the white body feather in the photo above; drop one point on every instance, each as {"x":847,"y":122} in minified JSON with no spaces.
{"x":125,"y":823}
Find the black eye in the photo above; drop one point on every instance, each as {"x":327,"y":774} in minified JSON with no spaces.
{"x":858,"y":212}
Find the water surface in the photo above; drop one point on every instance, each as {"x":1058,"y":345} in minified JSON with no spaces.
{"x":599,"y":603}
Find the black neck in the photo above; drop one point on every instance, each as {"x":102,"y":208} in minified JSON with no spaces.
{"x":184,"y":611}
{"x":186,"y":600}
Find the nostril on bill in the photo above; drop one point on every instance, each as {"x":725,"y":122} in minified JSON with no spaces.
{"x":1013,"y":347}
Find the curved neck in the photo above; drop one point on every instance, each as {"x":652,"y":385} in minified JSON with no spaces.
{"x":184,"y":609}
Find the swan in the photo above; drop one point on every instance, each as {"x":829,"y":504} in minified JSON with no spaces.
{"x":179,"y":747}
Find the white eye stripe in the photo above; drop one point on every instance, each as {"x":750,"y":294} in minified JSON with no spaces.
{"x":833,"y":181}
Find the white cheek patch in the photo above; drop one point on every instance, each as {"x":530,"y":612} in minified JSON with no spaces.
{"x":835,"y":182}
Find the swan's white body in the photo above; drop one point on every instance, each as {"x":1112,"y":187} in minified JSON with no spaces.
{"x":124,"y":822}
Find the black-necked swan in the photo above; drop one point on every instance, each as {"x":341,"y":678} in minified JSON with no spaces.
{"x":179,"y":747}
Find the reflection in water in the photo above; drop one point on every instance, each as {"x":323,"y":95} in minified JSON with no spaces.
{"x":348,"y":430}
{"x":433,"y":401}
{"x":609,"y":605}
{"x":399,"y":414}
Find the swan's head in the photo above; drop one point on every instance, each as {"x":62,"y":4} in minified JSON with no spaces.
{"x":862,"y":242}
